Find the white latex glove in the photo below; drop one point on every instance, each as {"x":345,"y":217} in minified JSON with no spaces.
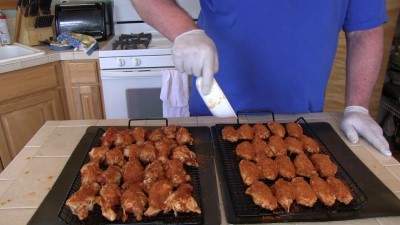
{"x":357,"y":121}
{"x":195,"y":53}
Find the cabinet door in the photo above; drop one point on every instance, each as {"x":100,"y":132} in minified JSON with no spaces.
{"x":22,"y":118}
{"x":87,"y":100}
{"x":83,"y":89}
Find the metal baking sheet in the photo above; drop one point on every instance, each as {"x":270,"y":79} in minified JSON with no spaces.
{"x":240,"y":209}
{"x":53,"y":202}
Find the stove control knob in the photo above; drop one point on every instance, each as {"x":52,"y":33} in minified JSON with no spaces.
{"x":120,"y":62}
{"x":136,"y":61}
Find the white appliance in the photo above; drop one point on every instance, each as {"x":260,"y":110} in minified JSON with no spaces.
{"x":131,"y":78}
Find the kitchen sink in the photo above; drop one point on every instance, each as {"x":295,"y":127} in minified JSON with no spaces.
{"x":17,"y":51}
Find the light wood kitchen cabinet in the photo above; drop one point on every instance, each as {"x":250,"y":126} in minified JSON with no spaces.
{"x":335,"y":93}
{"x":83,"y":89}
{"x":28,"y":98}
{"x":8,"y":4}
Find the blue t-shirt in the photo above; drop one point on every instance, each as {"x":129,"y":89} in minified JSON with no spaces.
{"x":277,"y":55}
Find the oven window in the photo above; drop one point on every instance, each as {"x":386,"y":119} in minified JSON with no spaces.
{"x":87,"y":22}
{"x":144,"y":103}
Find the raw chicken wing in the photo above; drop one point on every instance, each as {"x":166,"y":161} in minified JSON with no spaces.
{"x":133,"y":172}
{"x":294,"y":130}
{"x":262,"y":195}
{"x":123,"y":138}
{"x":322,"y":190}
{"x":185,"y":155}
{"x":245,"y":132}
{"x":283,"y":193}
{"x":249,"y":171}
{"x":277,"y":145}
{"x":156,"y":135}
{"x":152,"y":173}
{"x":340,"y":189}
{"x":183,"y":136}
{"x":109,"y":198}
{"x":260,"y":146}
{"x":164,"y":148}
{"x":97,"y":155}
{"x":323,"y":164}
{"x":304,"y":166}
{"x":303,"y":193}
{"x":182,"y":201}
{"x":268,"y":167}
{"x":158,"y":193}
{"x":82,"y":201}
{"x":294,"y":145}
{"x":261,"y":131}
{"x":229,"y":133}
{"x":147,"y":152}
{"x":285,"y":167}
{"x":310,"y":145}
{"x":175,"y":172}
{"x":112,"y":175}
{"x":90,"y":173}
{"x":277,"y":129}
{"x":133,"y":200}
{"x":108,"y":138}
{"x":115,"y":157}
{"x":139,"y":135}
{"x":245,"y":150}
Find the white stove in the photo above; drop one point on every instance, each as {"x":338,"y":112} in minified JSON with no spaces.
{"x":132,"y":77}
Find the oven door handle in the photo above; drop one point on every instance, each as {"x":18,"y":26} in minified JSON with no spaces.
{"x":127,"y":74}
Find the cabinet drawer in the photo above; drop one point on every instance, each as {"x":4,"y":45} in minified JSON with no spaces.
{"x":83,"y":72}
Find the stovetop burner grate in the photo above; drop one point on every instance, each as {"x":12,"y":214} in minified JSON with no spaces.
{"x":132,"y":41}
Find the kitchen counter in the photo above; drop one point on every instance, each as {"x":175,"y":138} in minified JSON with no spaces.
{"x":48,"y":57}
{"x":30,"y":176}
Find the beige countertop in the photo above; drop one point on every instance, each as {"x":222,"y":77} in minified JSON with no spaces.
{"x":30,"y":176}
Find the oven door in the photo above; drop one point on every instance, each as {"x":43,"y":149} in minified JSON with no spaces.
{"x":132,"y":93}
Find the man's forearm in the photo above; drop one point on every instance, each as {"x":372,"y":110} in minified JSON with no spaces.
{"x":165,"y":16}
{"x":364,"y":57}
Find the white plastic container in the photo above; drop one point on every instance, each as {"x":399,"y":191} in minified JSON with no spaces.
{"x":216,"y":100}
{"x":4,"y":35}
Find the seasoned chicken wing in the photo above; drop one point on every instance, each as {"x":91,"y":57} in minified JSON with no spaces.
{"x":303,"y":193}
{"x":260,"y":146}
{"x":277,"y":145}
{"x":133,"y":200}
{"x":304,"y":166}
{"x":285,"y":167}
{"x":123,"y":138}
{"x":182,"y":201}
{"x":322,"y":190}
{"x":133,"y":172}
{"x":283,"y":193}
{"x":170,"y":131}
{"x":245,"y":150}
{"x":131,"y":152}
{"x":261,"y":131}
{"x":294,"y":129}
{"x":262,"y":195}
{"x":139,"y":135}
{"x":245,"y":132}
{"x":152,"y":173}
{"x":90,"y":173}
{"x":276,"y":128}
{"x":82,"y":201}
{"x":115,"y":157}
{"x":323,"y":164}
{"x":108,"y":138}
{"x":147,"y":152}
{"x":110,"y":195}
{"x":229,"y":133}
{"x":268,"y":167}
{"x":185,"y":155}
{"x":97,"y":155}
{"x":156,"y":135}
{"x":294,"y":145}
{"x":175,"y":172}
{"x":164,"y":148}
{"x":340,"y":189}
{"x":183,"y":136}
{"x":310,"y":145}
{"x":112,"y":175}
{"x":249,"y":171}
{"x":158,"y":193}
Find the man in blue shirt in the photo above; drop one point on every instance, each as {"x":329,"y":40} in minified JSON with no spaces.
{"x":277,"y":55}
